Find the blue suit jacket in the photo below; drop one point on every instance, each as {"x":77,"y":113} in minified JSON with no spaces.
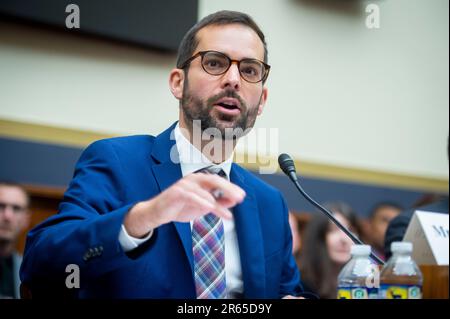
{"x":110,"y":177}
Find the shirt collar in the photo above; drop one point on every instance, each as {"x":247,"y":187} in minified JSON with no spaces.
{"x":191,"y":159}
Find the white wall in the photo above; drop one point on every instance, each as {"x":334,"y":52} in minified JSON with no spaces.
{"x":338,"y":92}
{"x":83,"y":83}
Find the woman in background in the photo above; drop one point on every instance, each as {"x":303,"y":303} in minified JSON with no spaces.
{"x":326,"y":249}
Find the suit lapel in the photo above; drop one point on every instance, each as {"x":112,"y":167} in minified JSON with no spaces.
{"x":167,"y":171}
{"x":249,"y":236}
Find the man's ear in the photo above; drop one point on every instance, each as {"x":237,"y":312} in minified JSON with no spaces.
{"x":262,"y":101}
{"x":176,"y":83}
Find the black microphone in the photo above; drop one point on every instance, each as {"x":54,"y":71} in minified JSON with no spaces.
{"x":287,"y":165}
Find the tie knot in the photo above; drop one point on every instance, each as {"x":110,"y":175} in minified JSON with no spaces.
{"x":214,"y":170}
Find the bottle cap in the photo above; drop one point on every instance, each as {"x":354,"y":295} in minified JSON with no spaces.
{"x":360,"y":250}
{"x":401,"y":246}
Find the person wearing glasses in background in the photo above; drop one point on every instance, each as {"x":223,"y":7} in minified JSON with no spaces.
{"x":14,"y":218}
{"x":172,"y":216}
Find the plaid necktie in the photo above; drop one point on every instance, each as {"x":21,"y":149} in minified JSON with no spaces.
{"x":209,"y":253}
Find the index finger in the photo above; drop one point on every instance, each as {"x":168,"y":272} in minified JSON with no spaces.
{"x":214,"y":183}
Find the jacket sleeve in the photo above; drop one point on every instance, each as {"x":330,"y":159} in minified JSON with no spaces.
{"x":85,"y":231}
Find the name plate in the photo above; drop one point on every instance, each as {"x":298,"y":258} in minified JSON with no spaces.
{"x":429,"y":234}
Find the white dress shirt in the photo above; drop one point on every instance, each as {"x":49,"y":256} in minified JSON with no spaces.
{"x":192,"y":160}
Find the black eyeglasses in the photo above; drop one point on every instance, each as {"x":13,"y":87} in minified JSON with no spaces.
{"x":217,"y":63}
{"x":15,"y":208}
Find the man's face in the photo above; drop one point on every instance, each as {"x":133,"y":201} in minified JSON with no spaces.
{"x":203,"y":94}
{"x":14,"y":215}
{"x":380,"y":223}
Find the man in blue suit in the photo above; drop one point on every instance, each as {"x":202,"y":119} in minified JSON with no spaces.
{"x":129,"y":221}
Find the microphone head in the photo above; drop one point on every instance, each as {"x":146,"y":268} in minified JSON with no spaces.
{"x":286,"y":164}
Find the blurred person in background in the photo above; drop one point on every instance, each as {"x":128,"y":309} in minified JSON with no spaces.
{"x":296,"y":238}
{"x":396,"y":229}
{"x":379,"y":219}
{"x":326,"y":249}
{"x":14,"y":218}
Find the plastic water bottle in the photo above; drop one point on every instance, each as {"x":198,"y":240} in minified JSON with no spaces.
{"x":359,"y":279}
{"x":400,"y":277}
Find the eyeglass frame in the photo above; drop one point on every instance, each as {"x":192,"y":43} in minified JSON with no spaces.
{"x":238,"y":62}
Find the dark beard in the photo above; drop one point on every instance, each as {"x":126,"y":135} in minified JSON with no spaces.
{"x":196,"y":109}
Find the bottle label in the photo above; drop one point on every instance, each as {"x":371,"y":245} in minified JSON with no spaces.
{"x":357,"y":293}
{"x":400,"y":291}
